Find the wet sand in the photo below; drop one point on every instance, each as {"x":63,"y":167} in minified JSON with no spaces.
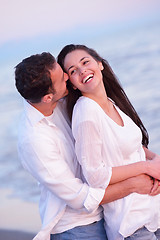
{"x":15,"y":235}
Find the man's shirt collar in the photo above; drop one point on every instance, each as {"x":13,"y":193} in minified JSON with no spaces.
{"x":33,"y":114}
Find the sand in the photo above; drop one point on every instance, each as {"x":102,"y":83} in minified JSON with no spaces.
{"x":15,"y":235}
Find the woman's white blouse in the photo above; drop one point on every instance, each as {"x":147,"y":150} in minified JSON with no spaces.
{"x":101,"y":144}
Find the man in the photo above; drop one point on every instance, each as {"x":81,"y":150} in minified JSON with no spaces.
{"x":69,"y":208}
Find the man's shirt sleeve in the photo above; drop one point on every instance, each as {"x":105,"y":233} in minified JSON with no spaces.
{"x":43,"y":158}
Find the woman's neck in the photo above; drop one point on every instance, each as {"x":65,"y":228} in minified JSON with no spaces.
{"x":100,"y":96}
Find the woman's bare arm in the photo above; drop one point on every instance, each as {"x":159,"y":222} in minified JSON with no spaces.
{"x":141,"y":184}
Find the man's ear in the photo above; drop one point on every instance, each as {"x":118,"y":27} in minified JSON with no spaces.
{"x":47,"y":98}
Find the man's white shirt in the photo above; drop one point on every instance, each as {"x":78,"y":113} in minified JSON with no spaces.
{"x":46,"y":150}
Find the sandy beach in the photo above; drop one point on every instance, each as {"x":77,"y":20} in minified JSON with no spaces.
{"x":18,"y":219}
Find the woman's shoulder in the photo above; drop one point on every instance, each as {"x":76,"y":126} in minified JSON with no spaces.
{"x":85,"y":109}
{"x":85,"y":103}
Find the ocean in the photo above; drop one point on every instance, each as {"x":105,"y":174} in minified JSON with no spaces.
{"x":134,"y":55}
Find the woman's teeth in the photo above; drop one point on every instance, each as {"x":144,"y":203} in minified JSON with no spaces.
{"x":88,"y":78}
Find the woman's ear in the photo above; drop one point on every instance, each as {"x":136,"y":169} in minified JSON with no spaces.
{"x":74,"y":87}
{"x":101,"y":66}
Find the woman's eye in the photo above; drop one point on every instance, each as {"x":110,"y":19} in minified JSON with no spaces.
{"x":85,"y":62}
{"x":72,"y":71}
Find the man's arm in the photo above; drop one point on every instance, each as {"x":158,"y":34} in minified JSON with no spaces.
{"x":41,"y":155}
{"x":141,"y":184}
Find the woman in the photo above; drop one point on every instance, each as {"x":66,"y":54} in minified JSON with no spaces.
{"x":111,"y":142}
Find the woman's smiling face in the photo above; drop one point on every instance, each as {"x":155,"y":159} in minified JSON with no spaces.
{"x":83,"y":70}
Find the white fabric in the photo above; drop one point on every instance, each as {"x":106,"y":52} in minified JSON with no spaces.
{"x":100,"y":144}
{"x":46,"y":150}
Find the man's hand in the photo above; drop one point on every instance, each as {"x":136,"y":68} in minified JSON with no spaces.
{"x":153,"y":167}
{"x":142,"y":184}
{"x":156,"y":188}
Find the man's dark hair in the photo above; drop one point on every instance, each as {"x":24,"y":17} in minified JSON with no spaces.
{"x":32,"y":76}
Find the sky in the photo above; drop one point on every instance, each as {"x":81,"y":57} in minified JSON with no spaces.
{"x":20,"y":19}
{"x":29,"y":24}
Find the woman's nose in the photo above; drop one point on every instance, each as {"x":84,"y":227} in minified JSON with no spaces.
{"x":82,"y":70}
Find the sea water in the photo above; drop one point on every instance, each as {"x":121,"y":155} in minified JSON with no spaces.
{"x":134,"y":55}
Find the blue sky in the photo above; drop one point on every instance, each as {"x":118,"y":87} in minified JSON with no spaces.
{"x":32,"y":26}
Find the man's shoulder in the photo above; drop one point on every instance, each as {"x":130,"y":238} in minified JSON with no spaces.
{"x":40,"y":136}
{"x":60,"y":114}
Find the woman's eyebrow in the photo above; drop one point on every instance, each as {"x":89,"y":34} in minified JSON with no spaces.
{"x":79,"y":61}
{"x":70,"y":67}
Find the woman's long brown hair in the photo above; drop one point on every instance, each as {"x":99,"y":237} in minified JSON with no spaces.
{"x":113,"y":88}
